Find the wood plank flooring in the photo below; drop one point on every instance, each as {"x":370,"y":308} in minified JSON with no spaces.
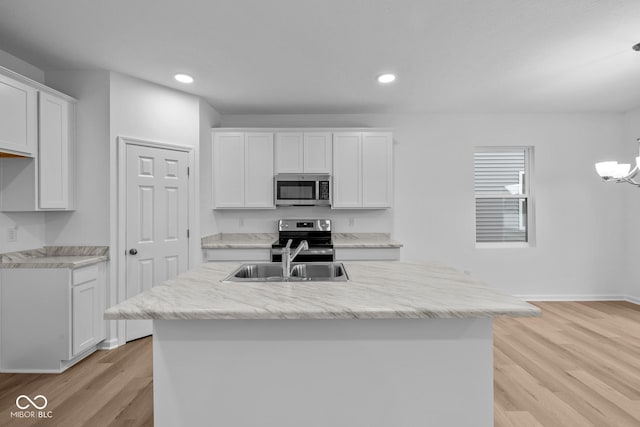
{"x":109,"y":388}
{"x":578,"y":365}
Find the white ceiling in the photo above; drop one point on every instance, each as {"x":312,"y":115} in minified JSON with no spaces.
{"x":305,"y":56}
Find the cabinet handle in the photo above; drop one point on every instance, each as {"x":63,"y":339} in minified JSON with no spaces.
{"x":133,"y":251}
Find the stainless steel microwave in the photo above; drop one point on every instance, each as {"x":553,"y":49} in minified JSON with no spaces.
{"x":302,"y":189}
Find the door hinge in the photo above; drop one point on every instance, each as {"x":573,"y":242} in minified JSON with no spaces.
{"x":187,"y":233}
{"x":188,"y":173}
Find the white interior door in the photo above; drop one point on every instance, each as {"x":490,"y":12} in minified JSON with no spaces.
{"x":157,"y":222}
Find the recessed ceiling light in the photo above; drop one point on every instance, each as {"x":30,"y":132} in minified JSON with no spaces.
{"x":386,"y":78}
{"x":183,"y":78}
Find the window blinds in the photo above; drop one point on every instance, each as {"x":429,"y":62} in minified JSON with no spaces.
{"x":501,"y":195}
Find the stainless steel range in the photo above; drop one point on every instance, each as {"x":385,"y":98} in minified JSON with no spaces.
{"x":317,"y":233}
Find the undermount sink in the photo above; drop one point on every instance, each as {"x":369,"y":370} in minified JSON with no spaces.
{"x":272,"y":272}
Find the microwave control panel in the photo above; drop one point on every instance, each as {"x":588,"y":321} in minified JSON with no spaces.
{"x":323,"y":190}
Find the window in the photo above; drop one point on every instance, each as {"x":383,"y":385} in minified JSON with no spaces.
{"x":503,"y":196}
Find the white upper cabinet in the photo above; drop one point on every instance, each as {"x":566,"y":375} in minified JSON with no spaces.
{"x":289,"y":156}
{"x":54,"y":152}
{"x":303,"y":152}
{"x":362,"y":170}
{"x":318,"y":148}
{"x":377,"y":169}
{"x":243,"y":170}
{"x":18,"y":116}
{"x":347,"y":170}
{"x":228,"y":170}
{"x":42,"y":178}
{"x":258,"y":170}
{"x":245,"y":161}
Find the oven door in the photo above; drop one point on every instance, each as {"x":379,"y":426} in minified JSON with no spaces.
{"x":310,"y":255}
{"x":296,"y":192}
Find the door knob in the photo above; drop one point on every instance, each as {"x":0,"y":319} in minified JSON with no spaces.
{"x":133,"y":251}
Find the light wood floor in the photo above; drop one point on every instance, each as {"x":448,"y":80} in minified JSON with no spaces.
{"x":578,"y":365}
{"x":109,"y":388}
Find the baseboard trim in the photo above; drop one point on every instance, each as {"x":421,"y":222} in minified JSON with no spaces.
{"x":533,"y":298}
{"x":635,"y":300}
{"x":108,"y":344}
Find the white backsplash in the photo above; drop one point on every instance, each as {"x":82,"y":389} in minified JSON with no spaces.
{"x":344,"y":221}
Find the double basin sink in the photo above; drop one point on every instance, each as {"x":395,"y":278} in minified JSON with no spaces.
{"x":272,"y":272}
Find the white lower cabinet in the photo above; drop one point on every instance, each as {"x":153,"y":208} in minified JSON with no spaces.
{"x":87,"y":299}
{"x":50,"y":318}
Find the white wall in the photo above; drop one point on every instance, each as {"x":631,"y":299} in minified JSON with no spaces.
{"x":21,"y":67}
{"x":577,"y":216}
{"x":143,"y":110}
{"x":147,"y":111}
{"x":89,"y":223}
{"x":631,"y":206}
{"x":209,"y":118}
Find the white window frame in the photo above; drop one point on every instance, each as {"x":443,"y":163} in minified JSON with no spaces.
{"x":528,"y":194}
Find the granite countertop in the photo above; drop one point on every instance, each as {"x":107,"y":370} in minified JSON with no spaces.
{"x":55,"y":257}
{"x":377,"y":290}
{"x":239,"y":241}
{"x":265,"y":240}
{"x":364,"y":240}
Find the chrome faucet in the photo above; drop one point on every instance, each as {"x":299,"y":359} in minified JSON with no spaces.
{"x":288,"y":257}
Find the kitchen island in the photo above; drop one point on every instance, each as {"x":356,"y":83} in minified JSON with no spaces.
{"x":399,"y":344}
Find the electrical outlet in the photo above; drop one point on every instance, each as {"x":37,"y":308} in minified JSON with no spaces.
{"x":241,"y":222}
{"x":12,"y":234}
{"x":352,"y":221}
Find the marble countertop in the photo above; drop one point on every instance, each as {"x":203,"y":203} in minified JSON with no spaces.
{"x":265,"y":240}
{"x":376,"y":290}
{"x":239,"y":241}
{"x":364,"y":240}
{"x":55,"y":257}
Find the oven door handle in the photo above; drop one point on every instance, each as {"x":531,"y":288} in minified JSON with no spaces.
{"x":278,"y":251}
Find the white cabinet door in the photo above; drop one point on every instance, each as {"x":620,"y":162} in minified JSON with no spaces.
{"x":317,"y":152}
{"x":85,"y":305}
{"x":18,"y":114}
{"x":259,"y":170}
{"x":347,"y":167}
{"x":53,"y":158}
{"x":228,"y":170}
{"x":289,"y":152}
{"x":377,"y":164}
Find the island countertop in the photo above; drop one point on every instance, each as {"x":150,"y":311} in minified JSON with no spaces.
{"x":376,"y":290}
